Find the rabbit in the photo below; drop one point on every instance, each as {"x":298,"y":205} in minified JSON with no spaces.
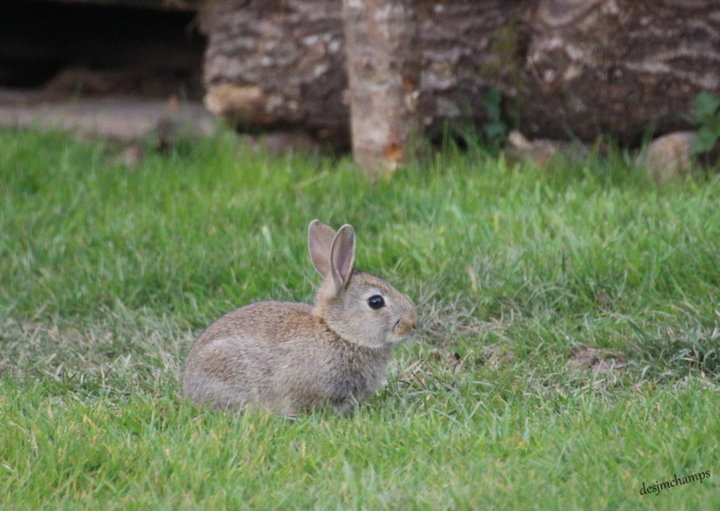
{"x":293,"y":357}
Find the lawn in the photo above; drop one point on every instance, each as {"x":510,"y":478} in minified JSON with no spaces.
{"x":107,"y":273}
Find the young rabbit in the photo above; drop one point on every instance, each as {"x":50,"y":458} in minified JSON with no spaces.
{"x":290,"y":357}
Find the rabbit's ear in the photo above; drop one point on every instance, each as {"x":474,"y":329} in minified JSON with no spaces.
{"x":342,"y":257}
{"x":320,"y":239}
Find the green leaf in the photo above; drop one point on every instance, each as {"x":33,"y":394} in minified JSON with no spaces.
{"x":493,"y":103}
{"x":705,"y":106}
{"x":495,"y":130}
{"x":706,"y":138}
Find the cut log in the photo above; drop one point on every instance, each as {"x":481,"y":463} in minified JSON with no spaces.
{"x":290,"y":53}
{"x":566,"y":68}
{"x":383,"y":67}
{"x":619,"y":66}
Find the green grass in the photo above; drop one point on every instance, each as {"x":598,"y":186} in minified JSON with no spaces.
{"x":107,"y":273}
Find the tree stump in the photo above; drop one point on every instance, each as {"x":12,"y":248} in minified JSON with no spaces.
{"x":383,"y":66}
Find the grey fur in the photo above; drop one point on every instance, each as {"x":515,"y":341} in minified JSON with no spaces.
{"x":290,"y":357}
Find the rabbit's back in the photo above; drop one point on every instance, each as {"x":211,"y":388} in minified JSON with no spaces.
{"x":270,"y":322}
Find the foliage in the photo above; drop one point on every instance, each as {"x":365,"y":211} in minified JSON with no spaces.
{"x":706,"y":116}
{"x":494,"y":129}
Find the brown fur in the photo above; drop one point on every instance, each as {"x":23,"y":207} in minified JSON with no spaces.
{"x":289,"y":357}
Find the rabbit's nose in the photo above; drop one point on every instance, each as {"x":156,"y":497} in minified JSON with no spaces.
{"x":412,"y":321}
{"x":405,"y":326}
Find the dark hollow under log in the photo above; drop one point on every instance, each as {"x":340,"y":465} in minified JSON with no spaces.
{"x":565,"y":68}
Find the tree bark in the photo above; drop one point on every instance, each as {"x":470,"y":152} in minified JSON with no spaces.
{"x":383,"y":67}
{"x":565,"y":68}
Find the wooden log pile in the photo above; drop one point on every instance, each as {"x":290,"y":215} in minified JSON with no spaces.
{"x":565,"y":68}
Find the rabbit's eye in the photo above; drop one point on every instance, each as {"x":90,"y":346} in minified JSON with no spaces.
{"x":376,"y":302}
